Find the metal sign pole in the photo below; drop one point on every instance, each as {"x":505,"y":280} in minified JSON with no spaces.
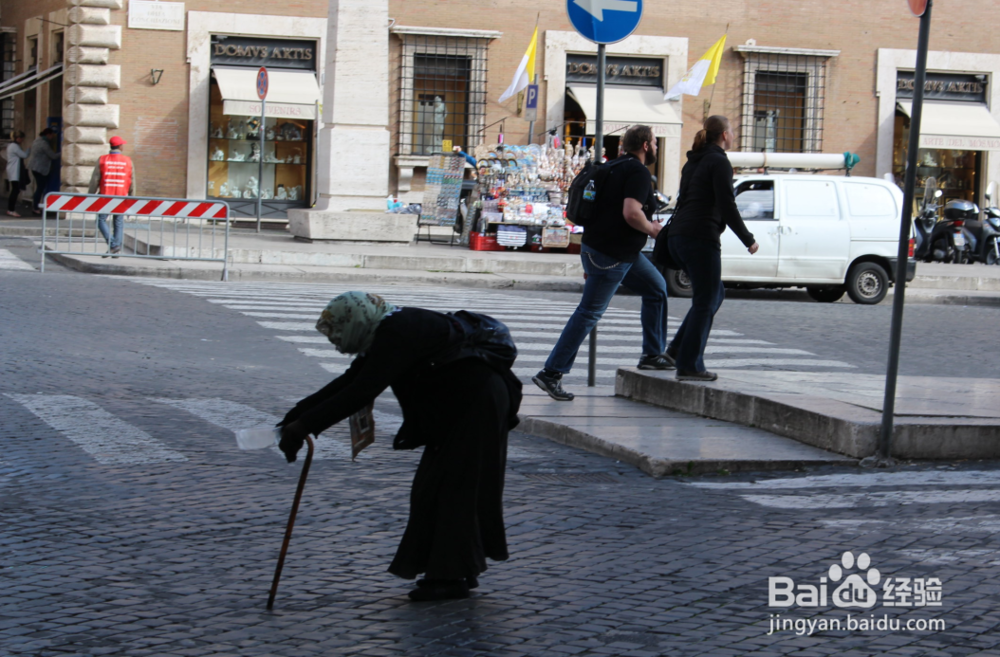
{"x":260,"y":165}
{"x":598,"y":149}
{"x":889,"y":402}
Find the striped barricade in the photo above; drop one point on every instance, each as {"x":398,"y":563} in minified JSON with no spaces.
{"x":160,"y":228}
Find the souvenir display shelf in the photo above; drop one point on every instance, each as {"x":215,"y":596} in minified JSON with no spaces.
{"x":522,"y":192}
{"x":234,"y":159}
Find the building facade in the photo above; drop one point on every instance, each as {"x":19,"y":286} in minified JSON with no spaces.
{"x":175,"y":79}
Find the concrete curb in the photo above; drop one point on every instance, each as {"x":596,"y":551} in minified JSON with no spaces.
{"x":827,"y":424}
{"x":326,"y":275}
{"x":655,"y":467}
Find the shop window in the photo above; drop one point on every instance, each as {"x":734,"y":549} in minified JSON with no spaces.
{"x":235,"y":170}
{"x":783,"y":98}
{"x":442,"y":93}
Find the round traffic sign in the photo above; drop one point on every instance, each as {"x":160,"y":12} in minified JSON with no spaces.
{"x":604,"y":21}
{"x":918,"y":7}
{"x":262,"y":83}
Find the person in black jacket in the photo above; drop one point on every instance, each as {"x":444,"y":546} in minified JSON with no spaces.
{"x":459,"y":412}
{"x":706,"y":205}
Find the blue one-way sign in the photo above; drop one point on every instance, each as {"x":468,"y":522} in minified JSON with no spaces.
{"x":604,"y":21}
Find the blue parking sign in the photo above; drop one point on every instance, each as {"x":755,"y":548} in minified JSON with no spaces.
{"x":604,"y":21}
{"x":531,"y":98}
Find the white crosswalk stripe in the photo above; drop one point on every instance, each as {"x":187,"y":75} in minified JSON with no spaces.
{"x":108,"y":439}
{"x":291,"y":310}
{"x":234,"y":416}
{"x":10,"y":261}
{"x":917,"y":489}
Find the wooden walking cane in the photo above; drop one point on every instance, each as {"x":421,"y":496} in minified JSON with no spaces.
{"x":291,"y":523}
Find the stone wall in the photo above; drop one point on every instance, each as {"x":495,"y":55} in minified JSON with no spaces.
{"x":87,"y":114}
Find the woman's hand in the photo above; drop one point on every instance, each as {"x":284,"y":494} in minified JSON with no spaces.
{"x":292,"y":437}
{"x":753,"y":248}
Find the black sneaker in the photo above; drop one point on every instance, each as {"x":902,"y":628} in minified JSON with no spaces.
{"x":696,"y":376}
{"x":657,"y":362}
{"x":552,"y":384}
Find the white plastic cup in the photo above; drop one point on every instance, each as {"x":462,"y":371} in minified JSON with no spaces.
{"x":258,"y":437}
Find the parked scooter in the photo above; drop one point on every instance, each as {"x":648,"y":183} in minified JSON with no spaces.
{"x":982,"y":236}
{"x":925,"y":225}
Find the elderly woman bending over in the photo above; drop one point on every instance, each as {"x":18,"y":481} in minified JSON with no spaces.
{"x":458,"y":410}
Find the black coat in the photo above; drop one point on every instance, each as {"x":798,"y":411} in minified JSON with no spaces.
{"x":707,"y":202}
{"x":460,"y":412}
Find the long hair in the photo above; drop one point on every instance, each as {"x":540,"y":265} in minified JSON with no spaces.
{"x":710,"y":133}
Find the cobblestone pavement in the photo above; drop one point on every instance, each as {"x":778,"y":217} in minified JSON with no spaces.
{"x":133,"y":526}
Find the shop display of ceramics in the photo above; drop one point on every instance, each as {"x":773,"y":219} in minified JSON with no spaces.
{"x":282,"y":194}
{"x":218,"y":155}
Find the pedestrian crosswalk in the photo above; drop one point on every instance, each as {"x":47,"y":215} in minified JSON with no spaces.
{"x":291,"y":310}
{"x":935,"y":494}
{"x":112,"y":439}
{"x":10,"y":261}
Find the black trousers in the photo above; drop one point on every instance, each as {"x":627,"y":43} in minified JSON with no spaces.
{"x":41,"y":184}
{"x":15,"y":192}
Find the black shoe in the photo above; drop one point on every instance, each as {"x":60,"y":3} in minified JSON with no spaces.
{"x":657,"y":362}
{"x":552,"y":384}
{"x":115,"y":252}
{"x":696,"y":376}
{"x":440,"y":589}
{"x":472,"y":582}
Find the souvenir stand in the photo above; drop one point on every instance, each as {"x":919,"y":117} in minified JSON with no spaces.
{"x":522,"y":196}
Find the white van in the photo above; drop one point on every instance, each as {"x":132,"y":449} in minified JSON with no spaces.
{"x":828,"y":234}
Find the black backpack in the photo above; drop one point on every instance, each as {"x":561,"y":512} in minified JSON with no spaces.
{"x":581,"y":206}
{"x":483,"y":337}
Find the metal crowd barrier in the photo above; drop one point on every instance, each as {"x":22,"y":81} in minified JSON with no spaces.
{"x":158,"y":228}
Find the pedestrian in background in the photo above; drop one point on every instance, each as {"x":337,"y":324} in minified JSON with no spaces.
{"x":458,"y":410}
{"x":17,"y":176}
{"x":113,"y":176}
{"x":40,"y":162}
{"x":612,"y":256}
{"x":706,"y":205}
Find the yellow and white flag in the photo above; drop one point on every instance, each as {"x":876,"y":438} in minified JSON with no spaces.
{"x":525,"y":71}
{"x":701,"y":74}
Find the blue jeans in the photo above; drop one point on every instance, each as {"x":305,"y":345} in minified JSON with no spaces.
{"x":604,"y":275}
{"x":702,"y":261}
{"x":102,"y":226}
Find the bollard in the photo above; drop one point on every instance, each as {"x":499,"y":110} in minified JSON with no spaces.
{"x":592,"y":364}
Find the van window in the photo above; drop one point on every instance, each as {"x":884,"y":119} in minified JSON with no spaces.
{"x":755,"y":200}
{"x":869,"y":200}
{"x":811,"y":198}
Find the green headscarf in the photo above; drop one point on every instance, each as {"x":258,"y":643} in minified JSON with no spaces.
{"x":350,"y":320}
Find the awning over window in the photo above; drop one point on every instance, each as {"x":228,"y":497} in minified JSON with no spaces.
{"x":290,"y":94}
{"x":625,"y":106}
{"x":28,"y":81}
{"x":956,"y":126}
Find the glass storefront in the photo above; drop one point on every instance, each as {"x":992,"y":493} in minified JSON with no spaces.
{"x":234,"y":154}
{"x":240,"y":169}
{"x":957,"y":171}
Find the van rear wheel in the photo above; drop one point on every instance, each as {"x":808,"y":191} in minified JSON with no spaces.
{"x":867,"y":283}
{"x":825,"y":294}
{"x":678,"y":283}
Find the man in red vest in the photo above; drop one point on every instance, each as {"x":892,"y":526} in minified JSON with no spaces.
{"x":113,"y":176}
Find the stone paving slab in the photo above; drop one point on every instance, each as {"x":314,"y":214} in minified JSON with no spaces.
{"x":936,"y":418}
{"x":661,"y":442}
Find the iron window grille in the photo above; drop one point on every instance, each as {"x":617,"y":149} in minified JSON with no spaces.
{"x":9,"y":44}
{"x":783,"y":96}
{"x":442,"y":92}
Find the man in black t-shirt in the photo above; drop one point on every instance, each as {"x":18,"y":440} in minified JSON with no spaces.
{"x":611,"y":255}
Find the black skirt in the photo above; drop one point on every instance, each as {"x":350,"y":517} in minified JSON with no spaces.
{"x":456,"y":502}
